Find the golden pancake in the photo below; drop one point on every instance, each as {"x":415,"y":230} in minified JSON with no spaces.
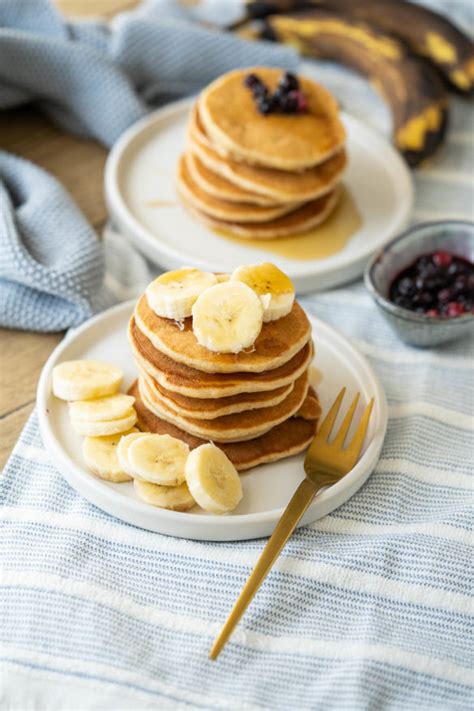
{"x":221,"y":188}
{"x":229,"y":428}
{"x":299,"y":221}
{"x":276,"y":344}
{"x":286,"y":141}
{"x":274,"y":184}
{"x":192,"y":193}
{"x":180,"y":379}
{"x":211,"y":408}
{"x":291,"y":437}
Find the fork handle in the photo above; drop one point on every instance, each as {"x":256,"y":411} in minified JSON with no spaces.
{"x":290,"y":518}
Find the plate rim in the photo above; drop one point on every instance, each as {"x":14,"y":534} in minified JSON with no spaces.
{"x":54,"y":448}
{"x":142,"y":236}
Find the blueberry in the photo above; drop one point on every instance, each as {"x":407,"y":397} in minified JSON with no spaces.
{"x":266,"y":105}
{"x":406,"y":286}
{"x":252,"y":80}
{"x":288,"y":104}
{"x":289,"y":82}
{"x":445,"y":294}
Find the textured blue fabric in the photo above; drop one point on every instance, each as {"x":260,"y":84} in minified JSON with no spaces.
{"x":95,"y":80}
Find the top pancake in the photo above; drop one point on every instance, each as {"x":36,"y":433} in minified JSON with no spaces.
{"x":270,"y":183}
{"x":276,"y":344}
{"x":286,"y":141}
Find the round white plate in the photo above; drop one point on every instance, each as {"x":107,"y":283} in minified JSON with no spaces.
{"x":267,"y":488}
{"x":141,"y":197}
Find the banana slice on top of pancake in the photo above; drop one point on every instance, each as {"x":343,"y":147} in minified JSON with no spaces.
{"x":272,"y":285}
{"x":173,"y":294}
{"x":227,"y":317}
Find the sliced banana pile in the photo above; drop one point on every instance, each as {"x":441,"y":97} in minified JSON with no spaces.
{"x":163,"y":471}
{"x":228,"y":311}
{"x":95,"y":406}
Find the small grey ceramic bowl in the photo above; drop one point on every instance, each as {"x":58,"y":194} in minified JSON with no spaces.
{"x":454,"y":236}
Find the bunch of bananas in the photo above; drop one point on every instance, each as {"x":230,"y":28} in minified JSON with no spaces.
{"x":411,"y":55}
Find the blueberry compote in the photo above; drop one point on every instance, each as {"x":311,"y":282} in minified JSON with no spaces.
{"x":438,"y":284}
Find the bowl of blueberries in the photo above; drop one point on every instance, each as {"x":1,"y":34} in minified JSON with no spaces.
{"x":423,"y":282}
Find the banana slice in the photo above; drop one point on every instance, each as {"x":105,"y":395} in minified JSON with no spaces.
{"x":272,"y":285}
{"x":111,"y":407}
{"x":176,"y":498}
{"x":85,"y":379}
{"x":227,"y":317}
{"x":159,"y":459}
{"x":212,"y":479}
{"x":105,"y":427}
{"x":124,"y":446}
{"x":221,"y":277}
{"x":173,"y":294}
{"x":100,"y":455}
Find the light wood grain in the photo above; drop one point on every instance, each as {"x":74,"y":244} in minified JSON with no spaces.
{"x":10,"y":428}
{"x":22,"y":356}
{"x":78,"y":164}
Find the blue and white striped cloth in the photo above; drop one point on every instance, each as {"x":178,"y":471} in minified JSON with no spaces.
{"x":369,"y":608}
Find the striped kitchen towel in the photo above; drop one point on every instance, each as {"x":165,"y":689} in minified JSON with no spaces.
{"x":369,"y":608}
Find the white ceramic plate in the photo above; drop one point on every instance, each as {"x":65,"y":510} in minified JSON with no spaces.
{"x":141,"y":168}
{"x":267,"y":488}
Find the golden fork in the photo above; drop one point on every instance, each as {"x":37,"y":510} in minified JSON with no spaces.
{"x":325,"y":463}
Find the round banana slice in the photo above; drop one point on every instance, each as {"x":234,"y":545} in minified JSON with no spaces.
{"x":106,"y":427}
{"x":272,"y":285}
{"x":124,"y":446}
{"x":159,"y":459}
{"x":212,"y":479}
{"x":227,"y":317}
{"x":111,"y":407}
{"x":173,"y":294}
{"x":100,"y":455}
{"x":176,"y":498}
{"x":85,"y":379}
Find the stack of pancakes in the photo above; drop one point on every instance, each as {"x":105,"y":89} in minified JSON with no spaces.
{"x":257,"y":405}
{"x":261,"y":176}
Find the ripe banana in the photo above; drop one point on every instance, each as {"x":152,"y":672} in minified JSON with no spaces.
{"x":111,"y":407}
{"x":106,"y":427}
{"x":227,"y":317}
{"x":123,"y":447}
{"x":272,"y":285}
{"x":100,"y":455}
{"x":212,"y":479}
{"x":173,"y":294}
{"x":175,"y":498}
{"x":411,"y":85}
{"x":159,"y":459}
{"x":85,"y":379}
{"x":423,"y":30}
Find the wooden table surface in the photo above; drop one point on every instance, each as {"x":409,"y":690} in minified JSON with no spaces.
{"x":79,"y":165}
